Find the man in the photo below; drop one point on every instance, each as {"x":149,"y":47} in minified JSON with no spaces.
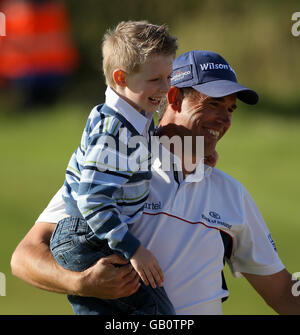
{"x":191,"y":222}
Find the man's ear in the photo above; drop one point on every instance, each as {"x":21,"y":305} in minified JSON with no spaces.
{"x":119,"y":77}
{"x":175,"y":98}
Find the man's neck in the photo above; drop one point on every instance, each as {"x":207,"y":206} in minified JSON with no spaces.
{"x":188,"y":163}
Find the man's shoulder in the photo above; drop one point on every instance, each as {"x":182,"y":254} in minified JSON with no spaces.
{"x":222,"y":177}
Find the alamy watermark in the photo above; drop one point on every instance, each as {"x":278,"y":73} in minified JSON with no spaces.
{"x":2,"y":285}
{"x":131,"y":154}
{"x":296,"y":26}
{"x":2,"y":24}
{"x":296,"y":286}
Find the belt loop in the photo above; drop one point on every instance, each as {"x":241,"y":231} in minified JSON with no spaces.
{"x":74,"y":223}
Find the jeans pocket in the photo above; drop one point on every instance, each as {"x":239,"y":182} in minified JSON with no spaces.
{"x":59,"y":248}
{"x":61,"y":245}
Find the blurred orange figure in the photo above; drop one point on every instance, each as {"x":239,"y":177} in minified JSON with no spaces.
{"x":37,"y":53}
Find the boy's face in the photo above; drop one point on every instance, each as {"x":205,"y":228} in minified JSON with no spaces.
{"x":145,"y":88}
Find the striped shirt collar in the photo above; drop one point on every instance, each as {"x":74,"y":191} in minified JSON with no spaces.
{"x":139,"y":121}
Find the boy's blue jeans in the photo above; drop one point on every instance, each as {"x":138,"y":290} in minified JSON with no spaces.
{"x":75,"y":247}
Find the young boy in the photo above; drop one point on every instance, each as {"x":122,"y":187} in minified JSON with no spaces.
{"x":103,"y":198}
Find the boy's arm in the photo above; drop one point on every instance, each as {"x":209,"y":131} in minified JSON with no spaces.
{"x":33,"y":262}
{"x":100,"y":193}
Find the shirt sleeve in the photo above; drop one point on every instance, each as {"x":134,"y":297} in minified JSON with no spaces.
{"x":56,"y":209}
{"x":254,"y":250}
{"x":105,"y":172}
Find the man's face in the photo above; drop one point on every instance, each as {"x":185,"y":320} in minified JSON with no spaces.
{"x":149,"y":85}
{"x":207,"y":116}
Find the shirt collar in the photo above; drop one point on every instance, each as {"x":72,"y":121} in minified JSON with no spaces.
{"x":140,"y":121}
{"x":202,"y":171}
{"x":196,"y":176}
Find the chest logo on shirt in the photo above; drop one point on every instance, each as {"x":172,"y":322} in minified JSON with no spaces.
{"x":153,"y":205}
{"x":215,"y":218}
{"x":214,"y":215}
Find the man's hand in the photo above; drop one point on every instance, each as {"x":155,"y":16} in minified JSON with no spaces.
{"x":33,"y":262}
{"x":146,"y":265}
{"x":106,"y":281}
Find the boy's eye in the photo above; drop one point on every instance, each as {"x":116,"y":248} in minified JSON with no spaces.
{"x":154,"y":79}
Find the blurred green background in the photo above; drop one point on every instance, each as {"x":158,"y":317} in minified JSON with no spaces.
{"x":261,"y":150}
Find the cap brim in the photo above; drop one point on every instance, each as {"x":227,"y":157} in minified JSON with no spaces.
{"x":221,"y":88}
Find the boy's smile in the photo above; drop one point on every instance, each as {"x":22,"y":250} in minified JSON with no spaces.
{"x":145,"y":88}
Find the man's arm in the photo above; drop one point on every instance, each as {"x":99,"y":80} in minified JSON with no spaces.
{"x":33,"y":262}
{"x":276,"y":290}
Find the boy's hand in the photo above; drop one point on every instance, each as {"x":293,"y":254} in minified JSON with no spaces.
{"x":146,"y":265}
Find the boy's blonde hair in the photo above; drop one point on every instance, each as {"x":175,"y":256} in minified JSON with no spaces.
{"x":131,"y":43}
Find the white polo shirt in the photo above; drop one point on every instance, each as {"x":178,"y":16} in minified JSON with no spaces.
{"x":190,"y":226}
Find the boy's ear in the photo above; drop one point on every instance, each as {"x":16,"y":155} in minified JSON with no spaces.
{"x":119,"y":77}
{"x":175,"y":98}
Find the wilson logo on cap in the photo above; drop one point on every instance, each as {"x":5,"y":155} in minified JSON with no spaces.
{"x":213,"y":66}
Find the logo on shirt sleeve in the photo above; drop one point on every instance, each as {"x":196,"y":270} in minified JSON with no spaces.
{"x":272,"y":242}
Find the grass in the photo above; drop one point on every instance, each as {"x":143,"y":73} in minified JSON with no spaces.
{"x":260,"y":150}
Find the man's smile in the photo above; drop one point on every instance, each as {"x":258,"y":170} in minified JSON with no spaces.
{"x":214,"y":133}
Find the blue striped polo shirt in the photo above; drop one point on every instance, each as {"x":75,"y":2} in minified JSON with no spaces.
{"x":108,"y":176}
